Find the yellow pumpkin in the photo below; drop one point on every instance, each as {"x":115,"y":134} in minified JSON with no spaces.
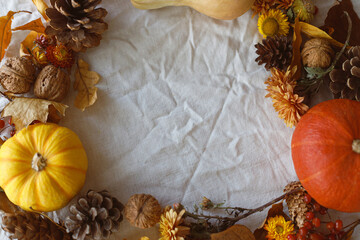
{"x":42,"y":167}
{"x":219,"y":9}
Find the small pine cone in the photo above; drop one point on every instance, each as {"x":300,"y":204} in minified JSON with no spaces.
{"x":296,"y":203}
{"x":274,"y":52}
{"x":28,"y":226}
{"x":345,"y":80}
{"x":76,"y":23}
{"x":95,"y":215}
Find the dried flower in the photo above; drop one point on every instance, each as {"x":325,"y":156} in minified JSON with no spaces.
{"x":206,"y":203}
{"x":286,"y":103}
{"x":170,"y":228}
{"x":274,"y":22}
{"x":278,"y":228}
{"x":39,"y":56}
{"x":44,"y":41}
{"x":60,"y":56}
{"x":305,"y":9}
{"x":262,"y":6}
{"x":284,"y":4}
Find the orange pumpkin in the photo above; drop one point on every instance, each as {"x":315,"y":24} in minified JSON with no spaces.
{"x":42,"y":167}
{"x":326,"y":154}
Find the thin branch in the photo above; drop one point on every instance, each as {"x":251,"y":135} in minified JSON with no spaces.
{"x":233,"y":220}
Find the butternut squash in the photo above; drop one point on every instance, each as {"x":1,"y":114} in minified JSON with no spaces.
{"x":219,"y":9}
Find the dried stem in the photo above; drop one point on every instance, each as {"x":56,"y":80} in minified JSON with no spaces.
{"x":346,"y":44}
{"x":249,"y":212}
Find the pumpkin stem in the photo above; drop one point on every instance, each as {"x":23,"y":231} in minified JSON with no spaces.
{"x":356,"y":146}
{"x":38,"y":162}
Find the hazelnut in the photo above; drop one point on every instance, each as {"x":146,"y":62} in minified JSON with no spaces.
{"x":52,"y":84}
{"x":143,"y":210}
{"x":317,"y":52}
{"x":17,"y":74}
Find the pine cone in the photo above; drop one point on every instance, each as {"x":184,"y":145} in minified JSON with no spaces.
{"x":296,"y":203}
{"x":29,"y":226}
{"x":76,"y":23}
{"x":274,"y":52}
{"x":95,"y":215}
{"x":345,"y":80}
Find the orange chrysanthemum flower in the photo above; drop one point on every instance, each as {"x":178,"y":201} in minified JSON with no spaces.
{"x":261,"y":6}
{"x":289,"y":105}
{"x":284,"y":4}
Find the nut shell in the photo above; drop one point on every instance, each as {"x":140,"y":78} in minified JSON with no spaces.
{"x":17,"y":74}
{"x":143,"y":211}
{"x":52,"y":84}
{"x":317,"y":52}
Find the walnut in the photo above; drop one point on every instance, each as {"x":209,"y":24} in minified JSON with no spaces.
{"x":52,"y":84}
{"x":317,"y":52}
{"x":143,"y":210}
{"x":17,"y":74}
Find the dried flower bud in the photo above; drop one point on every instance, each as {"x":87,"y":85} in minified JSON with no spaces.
{"x":142,"y":210}
{"x":17,"y":74}
{"x":52,"y":84}
{"x":317,"y":52}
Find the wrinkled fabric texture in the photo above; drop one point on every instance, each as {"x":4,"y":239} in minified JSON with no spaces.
{"x":181,"y":111}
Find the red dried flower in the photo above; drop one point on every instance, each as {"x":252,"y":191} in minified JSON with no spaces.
{"x":60,"y":56}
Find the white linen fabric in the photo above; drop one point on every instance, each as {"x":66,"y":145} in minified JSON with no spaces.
{"x":181,"y":111}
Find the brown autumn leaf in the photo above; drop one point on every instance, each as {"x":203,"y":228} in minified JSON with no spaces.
{"x":85,"y":81}
{"x":6,"y":205}
{"x":275,"y":210}
{"x":236,"y":232}
{"x":337,"y":20}
{"x":41,"y":7}
{"x":26,"y":110}
{"x":35,"y":25}
{"x":296,"y":60}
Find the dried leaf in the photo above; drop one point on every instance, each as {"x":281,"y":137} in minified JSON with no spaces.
{"x":336,"y":19}
{"x":41,"y":7}
{"x":236,"y":232}
{"x":35,"y":25}
{"x":316,"y":32}
{"x":5,"y":32}
{"x":28,"y":43}
{"x":25,"y":110}
{"x":297,"y":39}
{"x":85,"y":81}
{"x":6,"y":205}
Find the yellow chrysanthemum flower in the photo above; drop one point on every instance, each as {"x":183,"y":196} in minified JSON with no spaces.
{"x":278,"y":228}
{"x":289,"y":105}
{"x":274,"y":22}
{"x":170,"y":228}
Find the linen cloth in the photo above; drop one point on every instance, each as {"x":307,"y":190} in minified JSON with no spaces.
{"x":181,"y":111}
